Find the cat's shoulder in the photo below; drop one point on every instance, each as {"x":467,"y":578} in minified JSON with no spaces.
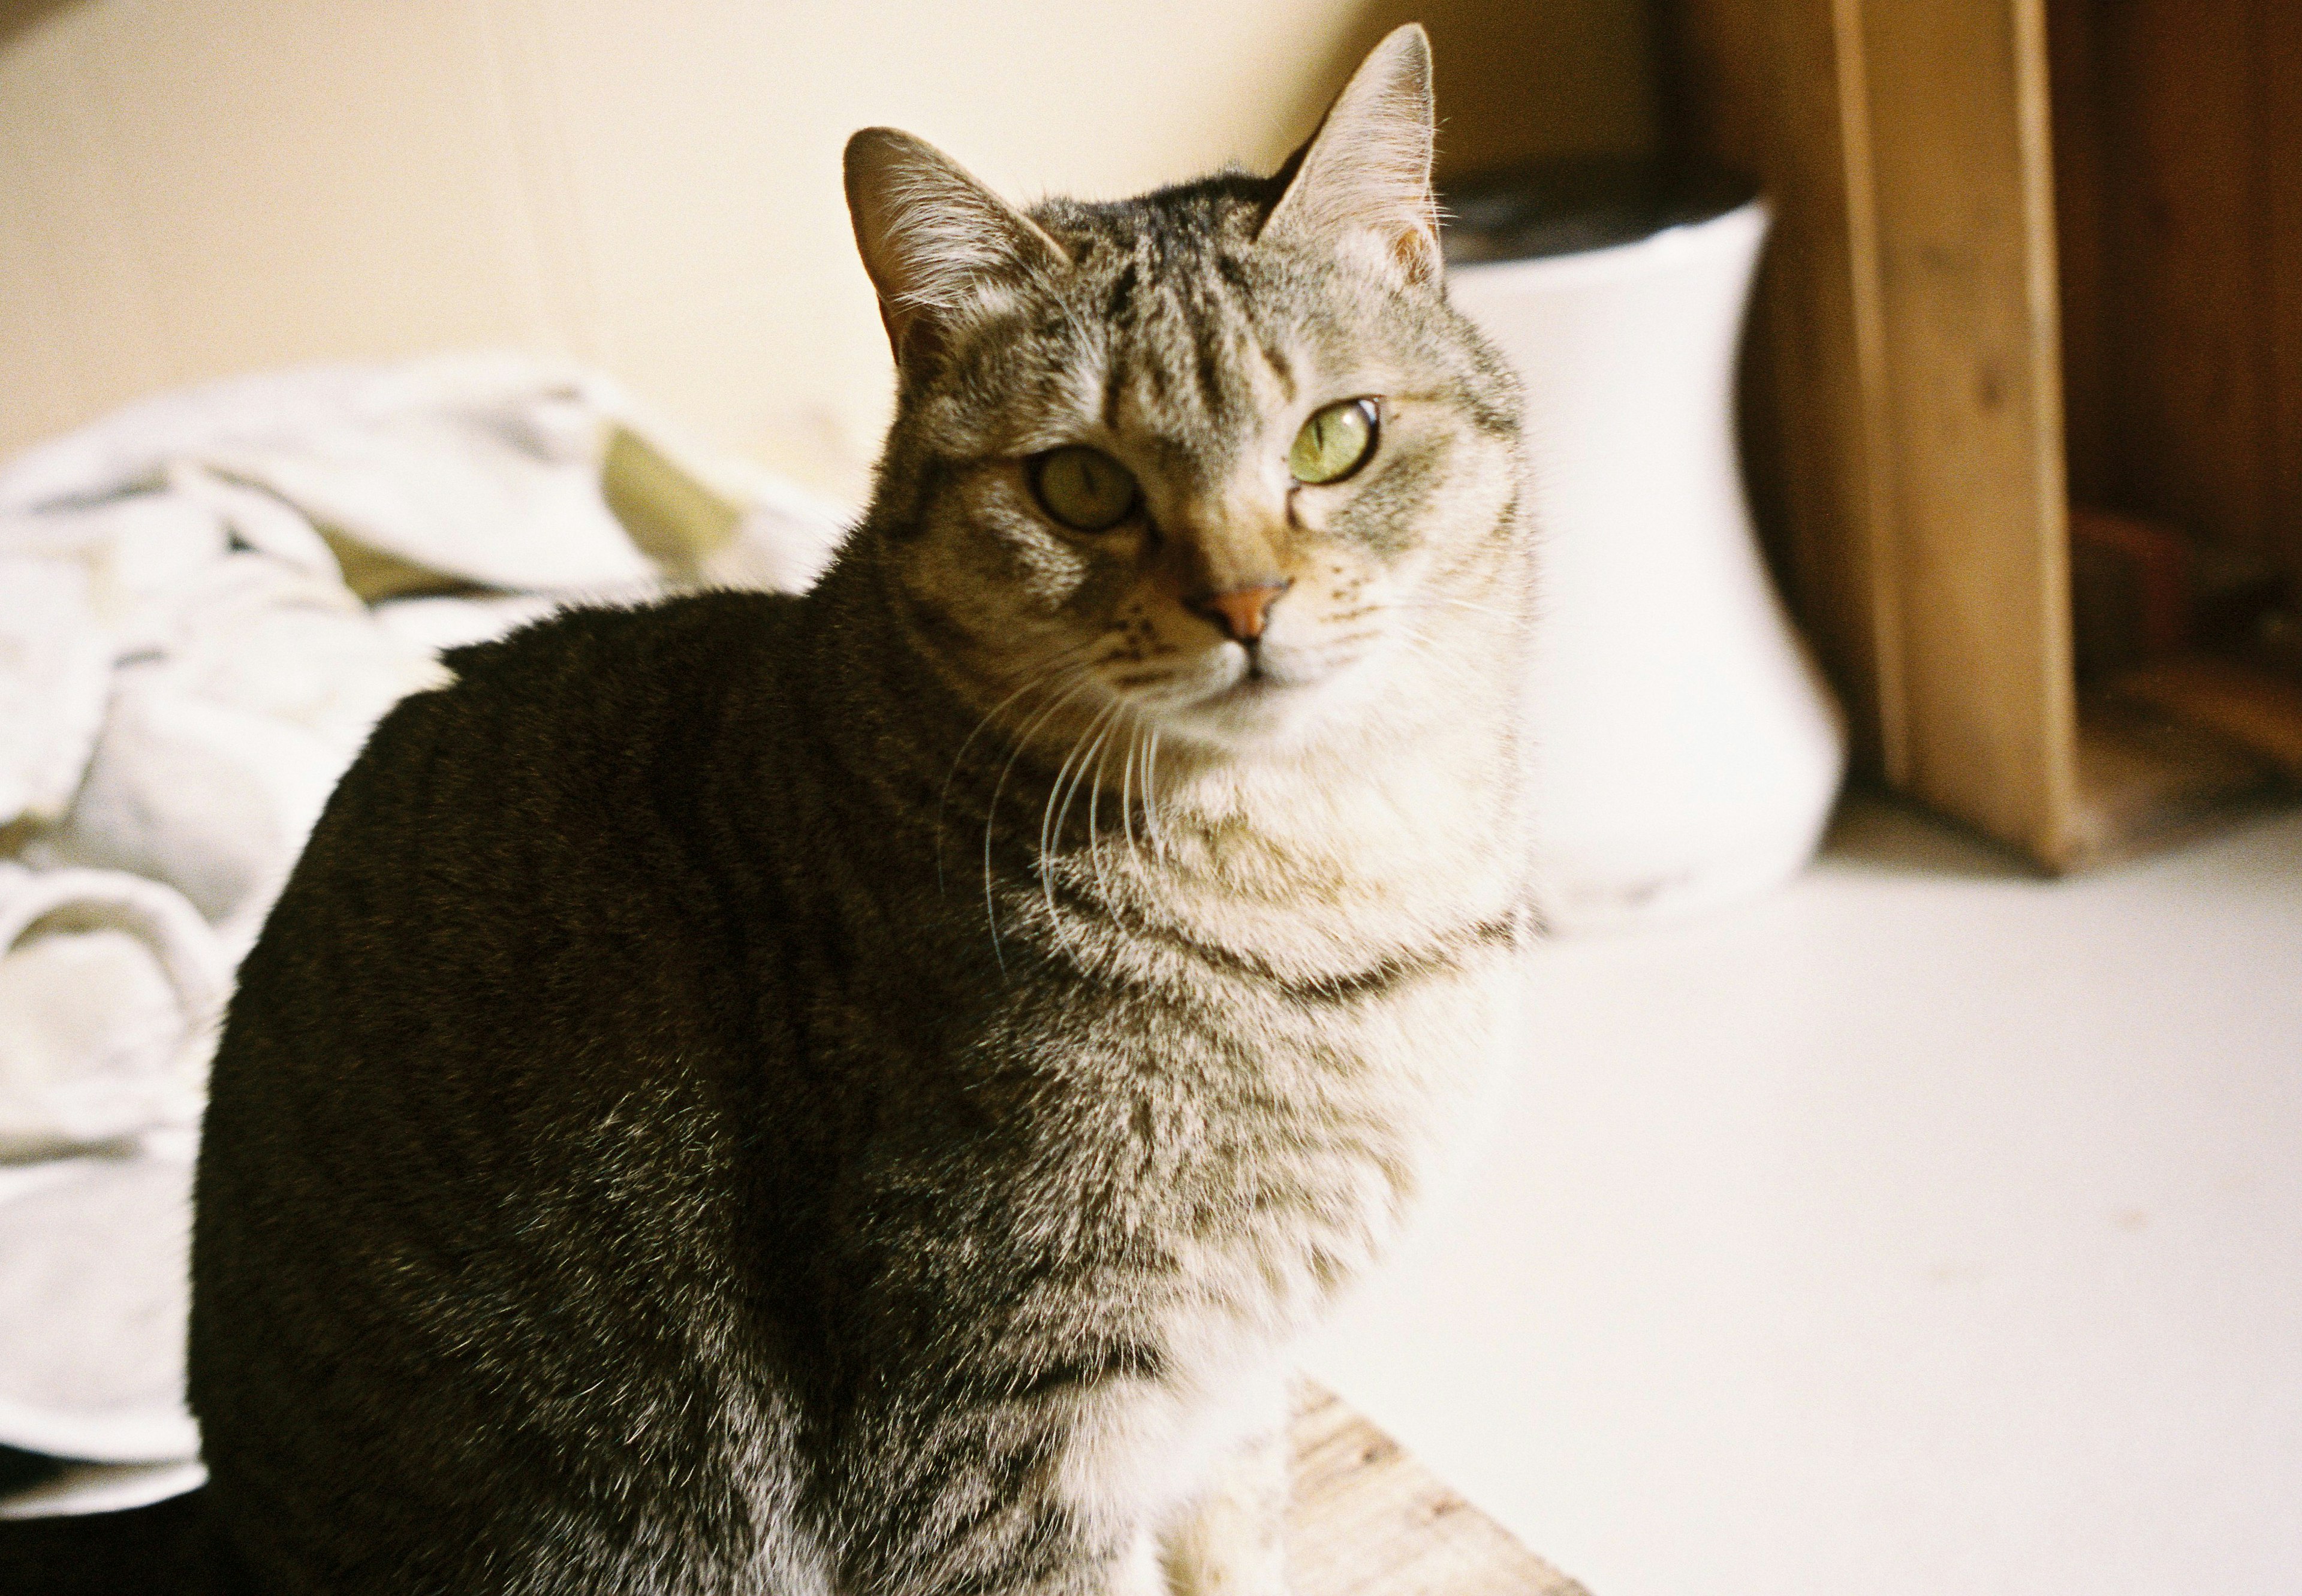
{"x":570,"y":700}
{"x":648,"y":636}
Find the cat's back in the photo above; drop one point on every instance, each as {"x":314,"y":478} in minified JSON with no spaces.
{"x":475,"y":1093}
{"x":501,"y":839}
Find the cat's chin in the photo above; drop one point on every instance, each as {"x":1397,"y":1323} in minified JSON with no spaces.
{"x":1254,"y":710}
{"x":1258,"y":713}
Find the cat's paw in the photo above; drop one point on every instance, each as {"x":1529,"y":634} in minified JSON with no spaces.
{"x":1247,"y":1575}
{"x":1230,"y":1547}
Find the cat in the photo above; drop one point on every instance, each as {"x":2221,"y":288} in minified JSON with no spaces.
{"x":861,"y":1092}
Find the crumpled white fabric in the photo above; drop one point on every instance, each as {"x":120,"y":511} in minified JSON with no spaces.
{"x":225,"y":734}
{"x":480,"y":468}
{"x":93,"y":1297}
{"x":110,"y":988}
{"x":206,"y":601}
{"x":54,"y":667}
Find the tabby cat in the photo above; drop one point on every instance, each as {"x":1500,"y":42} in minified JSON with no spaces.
{"x":859,"y":1093}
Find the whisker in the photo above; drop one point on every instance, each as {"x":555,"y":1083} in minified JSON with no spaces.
{"x":942,"y":798}
{"x":1049,"y":839}
{"x":1152,"y":827}
{"x":1126,"y":779}
{"x":1430,"y":602}
{"x":1094,"y":793}
{"x":1047,"y":848}
{"x":991,"y":812}
{"x":1103,"y":725}
{"x":1140,"y":734}
{"x":1048,"y":815}
{"x":1451,"y":659}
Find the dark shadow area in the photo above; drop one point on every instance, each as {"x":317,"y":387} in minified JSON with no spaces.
{"x":1879,"y":833}
{"x":18,"y":17}
{"x":21,"y":1470}
{"x":168,"y":1549}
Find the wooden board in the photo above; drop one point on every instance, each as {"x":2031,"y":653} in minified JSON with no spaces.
{"x":2254,"y":710}
{"x":1963,"y":175}
{"x":2148,"y":777}
{"x":1368,"y":1520}
{"x":2277,"y":153}
{"x":2178,"y":151}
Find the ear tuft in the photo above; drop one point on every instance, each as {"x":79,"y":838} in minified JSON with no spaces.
{"x":932,"y":238}
{"x":1365,"y":178}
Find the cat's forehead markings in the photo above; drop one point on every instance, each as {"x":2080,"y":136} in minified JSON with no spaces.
{"x":1120,"y":299}
{"x":1187,"y":353}
{"x":1281,"y":367}
{"x":1085,"y":395}
{"x":1113,"y":389}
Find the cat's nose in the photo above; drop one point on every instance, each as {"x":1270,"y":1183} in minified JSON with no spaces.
{"x":1242,"y":612}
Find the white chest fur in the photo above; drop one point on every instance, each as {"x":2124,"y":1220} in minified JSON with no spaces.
{"x":1354,"y":1111}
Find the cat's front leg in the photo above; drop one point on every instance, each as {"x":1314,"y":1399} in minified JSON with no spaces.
{"x":1230,"y":1541}
{"x":1133,"y":1569}
{"x":1138,"y":1572}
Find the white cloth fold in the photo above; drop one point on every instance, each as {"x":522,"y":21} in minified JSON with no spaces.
{"x":93,"y":1293}
{"x":111,"y":986}
{"x":482,"y":468}
{"x":54,"y":668}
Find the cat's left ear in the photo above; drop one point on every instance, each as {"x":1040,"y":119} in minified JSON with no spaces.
{"x":932,"y":236}
{"x":1364,"y":181}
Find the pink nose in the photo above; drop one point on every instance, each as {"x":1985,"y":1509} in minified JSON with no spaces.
{"x":1242,"y":612}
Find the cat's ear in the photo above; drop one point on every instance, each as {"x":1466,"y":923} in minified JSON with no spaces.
{"x":1365,"y":178}
{"x":932,"y":238}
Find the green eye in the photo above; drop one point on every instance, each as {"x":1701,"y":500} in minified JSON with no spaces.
{"x":1083,"y":488}
{"x":1334,"y":443}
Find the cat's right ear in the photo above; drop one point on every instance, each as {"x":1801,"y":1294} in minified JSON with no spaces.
{"x":932,"y":238}
{"x":1365,"y":178}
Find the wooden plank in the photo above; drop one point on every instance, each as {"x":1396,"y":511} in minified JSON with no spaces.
{"x":1367,"y":1519}
{"x":2278,"y":156}
{"x":2258,"y":710}
{"x":2184,"y":253}
{"x":2082,"y":223}
{"x":1963,"y":176}
{"x":2147,"y":779}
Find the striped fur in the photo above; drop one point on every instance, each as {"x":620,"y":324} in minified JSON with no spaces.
{"x":859,"y":1093}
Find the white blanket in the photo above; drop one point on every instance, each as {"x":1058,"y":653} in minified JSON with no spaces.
{"x":206,"y":602}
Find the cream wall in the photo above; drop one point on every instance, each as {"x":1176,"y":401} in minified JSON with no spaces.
{"x":193,"y":188}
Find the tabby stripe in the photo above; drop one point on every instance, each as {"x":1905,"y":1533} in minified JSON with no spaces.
{"x":1438,"y":957}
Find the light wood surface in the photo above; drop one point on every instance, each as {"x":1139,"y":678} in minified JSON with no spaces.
{"x":1964,"y":184}
{"x":1367,"y":1519}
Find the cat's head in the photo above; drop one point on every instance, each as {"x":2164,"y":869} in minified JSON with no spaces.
{"x":1219,"y":457}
